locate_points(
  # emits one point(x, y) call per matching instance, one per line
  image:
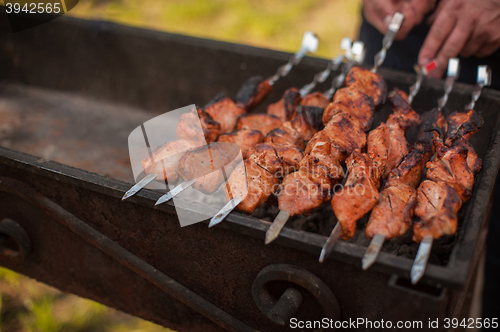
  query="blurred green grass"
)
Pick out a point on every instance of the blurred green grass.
point(30, 306)
point(26, 305)
point(276, 24)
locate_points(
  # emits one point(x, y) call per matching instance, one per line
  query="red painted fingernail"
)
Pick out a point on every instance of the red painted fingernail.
point(429, 66)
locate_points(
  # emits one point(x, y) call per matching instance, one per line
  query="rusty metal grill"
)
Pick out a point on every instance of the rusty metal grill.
point(70, 93)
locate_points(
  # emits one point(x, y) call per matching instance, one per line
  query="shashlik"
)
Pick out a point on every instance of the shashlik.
point(391, 216)
point(387, 146)
point(450, 177)
point(311, 185)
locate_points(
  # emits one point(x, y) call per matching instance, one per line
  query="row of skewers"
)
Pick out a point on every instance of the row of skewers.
point(297, 151)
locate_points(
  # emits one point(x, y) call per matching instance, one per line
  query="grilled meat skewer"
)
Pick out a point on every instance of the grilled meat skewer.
point(278, 156)
point(345, 132)
point(450, 176)
point(250, 94)
point(387, 146)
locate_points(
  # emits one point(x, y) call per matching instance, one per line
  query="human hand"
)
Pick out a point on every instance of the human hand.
point(379, 13)
point(461, 27)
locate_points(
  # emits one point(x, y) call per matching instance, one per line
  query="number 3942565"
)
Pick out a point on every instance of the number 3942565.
point(33, 8)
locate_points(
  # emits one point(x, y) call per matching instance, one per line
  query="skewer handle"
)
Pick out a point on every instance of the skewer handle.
point(394, 26)
point(330, 242)
point(277, 225)
point(332, 66)
point(139, 186)
point(174, 192)
point(451, 77)
point(309, 45)
point(422, 72)
point(420, 263)
point(358, 55)
point(483, 79)
point(373, 251)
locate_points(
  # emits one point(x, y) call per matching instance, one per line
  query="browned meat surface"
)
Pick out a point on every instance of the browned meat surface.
point(265, 156)
point(224, 111)
point(278, 160)
point(345, 134)
point(261, 122)
point(290, 157)
point(206, 159)
point(359, 195)
point(304, 190)
point(164, 160)
point(463, 124)
point(245, 139)
point(473, 161)
point(315, 99)
point(410, 170)
point(391, 216)
point(252, 92)
point(261, 184)
point(450, 166)
point(211, 128)
point(198, 126)
point(369, 83)
point(285, 107)
point(402, 108)
point(307, 122)
point(353, 102)
point(437, 207)
point(319, 152)
point(209, 183)
point(451, 178)
point(387, 146)
point(285, 135)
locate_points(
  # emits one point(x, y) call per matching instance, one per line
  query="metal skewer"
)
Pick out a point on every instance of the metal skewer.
point(452, 75)
point(357, 56)
point(139, 185)
point(351, 51)
point(483, 79)
point(309, 45)
point(333, 65)
point(174, 192)
point(424, 249)
point(394, 27)
point(378, 240)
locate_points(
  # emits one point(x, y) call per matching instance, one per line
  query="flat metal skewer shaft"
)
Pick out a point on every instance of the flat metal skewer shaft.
point(225, 211)
point(373, 251)
point(420, 263)
point(394, 26)
point(176, 191)
point(483, 79)
point(309, 45)
point(139, 186)
point(277, 225)
point(330, 242)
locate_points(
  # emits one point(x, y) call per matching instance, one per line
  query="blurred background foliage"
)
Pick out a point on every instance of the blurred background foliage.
point(26, 305)
point(274, 24)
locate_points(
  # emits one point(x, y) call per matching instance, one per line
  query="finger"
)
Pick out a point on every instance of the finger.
point(452, 47)
point(439, 8)
point(379, 13)
point(487, 49)
point(473, 45)
point(414, 11)
point(436, 37)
